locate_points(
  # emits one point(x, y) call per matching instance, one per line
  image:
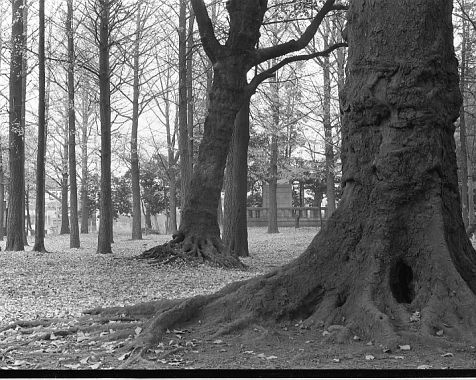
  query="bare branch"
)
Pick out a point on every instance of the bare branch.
point(205, 27)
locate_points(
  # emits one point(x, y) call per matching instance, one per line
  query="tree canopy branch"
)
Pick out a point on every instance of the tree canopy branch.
point(293, 45)
point(259, 78)
point(205, 27)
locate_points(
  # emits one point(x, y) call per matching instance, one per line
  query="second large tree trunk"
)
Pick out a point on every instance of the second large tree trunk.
point(235, 231)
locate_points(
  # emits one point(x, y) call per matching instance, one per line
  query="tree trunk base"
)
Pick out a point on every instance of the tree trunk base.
point(417, 295)
point(192, 250)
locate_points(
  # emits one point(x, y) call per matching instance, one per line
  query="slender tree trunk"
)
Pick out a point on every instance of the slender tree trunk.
point(329, 148)
point(463, 159)
point(16, 135)
point(136, 211)
point(105, 236)
point(2, 194)
point(39, 244)
point(23, 116)
point(235, 231)
point(27, 212)
point(273, 164)
point(190, 99)
point(2, 173)
point(64, 229)
point(85, 211)
point(73, 187)
point(183, 126)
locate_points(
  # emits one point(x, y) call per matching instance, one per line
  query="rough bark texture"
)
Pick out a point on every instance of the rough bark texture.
point(235, 229)
point(463, 160)
point(105, 202)
point(15, 222)
point(136, 211)
point(396, 244)
point(73, 187)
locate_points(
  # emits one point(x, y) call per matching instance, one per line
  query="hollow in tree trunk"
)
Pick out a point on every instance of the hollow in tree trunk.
point(396, 244)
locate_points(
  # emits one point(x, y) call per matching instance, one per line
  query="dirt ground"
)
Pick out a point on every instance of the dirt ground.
point(74, 343)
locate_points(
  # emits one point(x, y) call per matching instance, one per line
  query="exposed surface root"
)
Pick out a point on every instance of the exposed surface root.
point(192, 250)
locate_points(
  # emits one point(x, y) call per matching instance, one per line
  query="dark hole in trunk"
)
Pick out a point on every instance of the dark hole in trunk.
point(401, 282)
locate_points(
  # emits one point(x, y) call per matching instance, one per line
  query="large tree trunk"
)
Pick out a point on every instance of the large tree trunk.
point(396, 244)
point(136, 211)
point(235, 231)
point(105, 203)
point(73, 187)
point(16, 156)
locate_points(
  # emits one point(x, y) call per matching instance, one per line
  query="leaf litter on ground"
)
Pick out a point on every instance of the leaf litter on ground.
point(64, 282)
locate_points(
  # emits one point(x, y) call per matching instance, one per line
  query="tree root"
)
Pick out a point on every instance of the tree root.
point(192, 250)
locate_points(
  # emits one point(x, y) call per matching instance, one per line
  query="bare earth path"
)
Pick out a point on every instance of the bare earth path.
point(42, 327)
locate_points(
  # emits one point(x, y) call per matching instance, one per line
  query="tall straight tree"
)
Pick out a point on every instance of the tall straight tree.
point(397, 243)
point(73, 187)
point(16, 211)
point(39, 244)
point(86, 110)
point(135, 174)
point(105, 236)
point(184, 141)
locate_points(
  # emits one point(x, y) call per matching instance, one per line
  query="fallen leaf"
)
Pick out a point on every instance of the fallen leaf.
point(440, 333)
point(356, 338)
point(405, 347)
point(369, 343)
point(138, 330)
point(84, 360)
point(124, 356)
point(19, 362)
point(72, 366)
